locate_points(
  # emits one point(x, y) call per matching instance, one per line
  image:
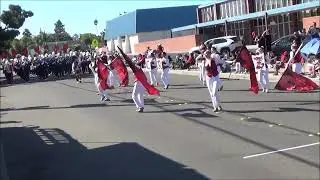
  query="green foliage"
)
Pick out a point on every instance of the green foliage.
point(87, 38)
point(12, 19)
point(17, 45)
point(95, 43)
point(27, 33)
point(59, 32)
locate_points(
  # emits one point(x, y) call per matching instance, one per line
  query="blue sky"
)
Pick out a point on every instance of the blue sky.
point(78, 16)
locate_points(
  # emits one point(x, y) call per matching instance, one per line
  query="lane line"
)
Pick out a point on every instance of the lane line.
point(281, 150)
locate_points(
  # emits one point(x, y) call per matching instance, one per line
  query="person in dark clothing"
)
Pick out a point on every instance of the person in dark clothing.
point(265, 41)
point(8, 71)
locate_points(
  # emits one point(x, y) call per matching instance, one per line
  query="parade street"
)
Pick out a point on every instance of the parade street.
point(61, 130)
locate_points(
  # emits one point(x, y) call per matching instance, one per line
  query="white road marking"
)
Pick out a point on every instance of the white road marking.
point(281, 150)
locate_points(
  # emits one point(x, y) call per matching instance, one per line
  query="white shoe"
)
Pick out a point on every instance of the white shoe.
point(266, 90)
point(102, 98)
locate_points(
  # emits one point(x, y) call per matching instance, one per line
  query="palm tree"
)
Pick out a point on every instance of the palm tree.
point(95, 22)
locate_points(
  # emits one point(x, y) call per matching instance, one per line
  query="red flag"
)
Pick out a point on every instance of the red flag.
point(139, 74)
point(36, 49)
point(245, 60)
point(121, 70)
point(103, 75)
point(14, 53)
point(25, 52)
point(56, 48)
point(65, 47)
point(293, 81)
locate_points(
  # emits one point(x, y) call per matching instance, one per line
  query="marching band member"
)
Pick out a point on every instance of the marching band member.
point(165, 66)
point(76, 69)
point(262, 68)
point(219, 62)
point(200, 61)
point(212, 79)
point(151, 65)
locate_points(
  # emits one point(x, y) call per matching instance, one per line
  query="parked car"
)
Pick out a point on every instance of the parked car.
point(284, 44)
point(224, 45)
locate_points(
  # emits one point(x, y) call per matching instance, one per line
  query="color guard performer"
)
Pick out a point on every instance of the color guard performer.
point(200, 62)
point(262, 68)
point(151, 65)
point(164, 66)
point(297, 61)
point(212, 79)
point(219, 62)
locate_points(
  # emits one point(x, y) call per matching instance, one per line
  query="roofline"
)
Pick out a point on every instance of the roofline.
point(271, 12)
point(213, 3)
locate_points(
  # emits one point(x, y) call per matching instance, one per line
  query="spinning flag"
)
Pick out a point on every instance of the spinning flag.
point(139, 74)
point(245, 60)
point(121, 70)
point(103, 75)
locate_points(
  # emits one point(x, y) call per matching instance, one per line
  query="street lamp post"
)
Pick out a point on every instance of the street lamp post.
point(96, 24)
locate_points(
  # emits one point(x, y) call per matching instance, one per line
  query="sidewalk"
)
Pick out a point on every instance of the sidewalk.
point(272, 78)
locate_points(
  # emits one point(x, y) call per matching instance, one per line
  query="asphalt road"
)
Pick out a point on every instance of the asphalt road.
point(60, 130)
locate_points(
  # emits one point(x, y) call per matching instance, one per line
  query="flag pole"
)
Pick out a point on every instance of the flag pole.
point(298, 50)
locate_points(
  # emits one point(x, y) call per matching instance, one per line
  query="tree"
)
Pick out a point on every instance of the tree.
point(75, 37)
point(27, 39)
point(59, 32)
point(87, 38)
point(59, 27)
point(12, 19)
point(17, 45)
point(27, 33)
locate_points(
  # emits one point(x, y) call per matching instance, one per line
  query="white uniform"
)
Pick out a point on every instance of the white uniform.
point(200, 61)
point(212, 85)
point(103, 93)
point(296, 67)
point(263, 72)
point(165, 66)
point(151, 66)
point(219, 62)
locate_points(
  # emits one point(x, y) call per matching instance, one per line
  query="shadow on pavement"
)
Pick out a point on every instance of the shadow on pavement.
point(52, 154)
point(187, 112)
point(102, 104)
point(9, 122)
point(33, 79)
point(280, 109)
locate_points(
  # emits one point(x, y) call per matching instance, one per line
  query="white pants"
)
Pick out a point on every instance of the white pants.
point(212, 84)
point(238, 67)
point(164, 77)
point(137, 94)
point(220, 82)
point(102, 93)
point(202, 75)
point(152, 75)
point(111, 78)
point(263, 77)
point(297, 67)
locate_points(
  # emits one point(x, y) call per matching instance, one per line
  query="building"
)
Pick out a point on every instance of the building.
point(242, 17)
point(147, 25)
